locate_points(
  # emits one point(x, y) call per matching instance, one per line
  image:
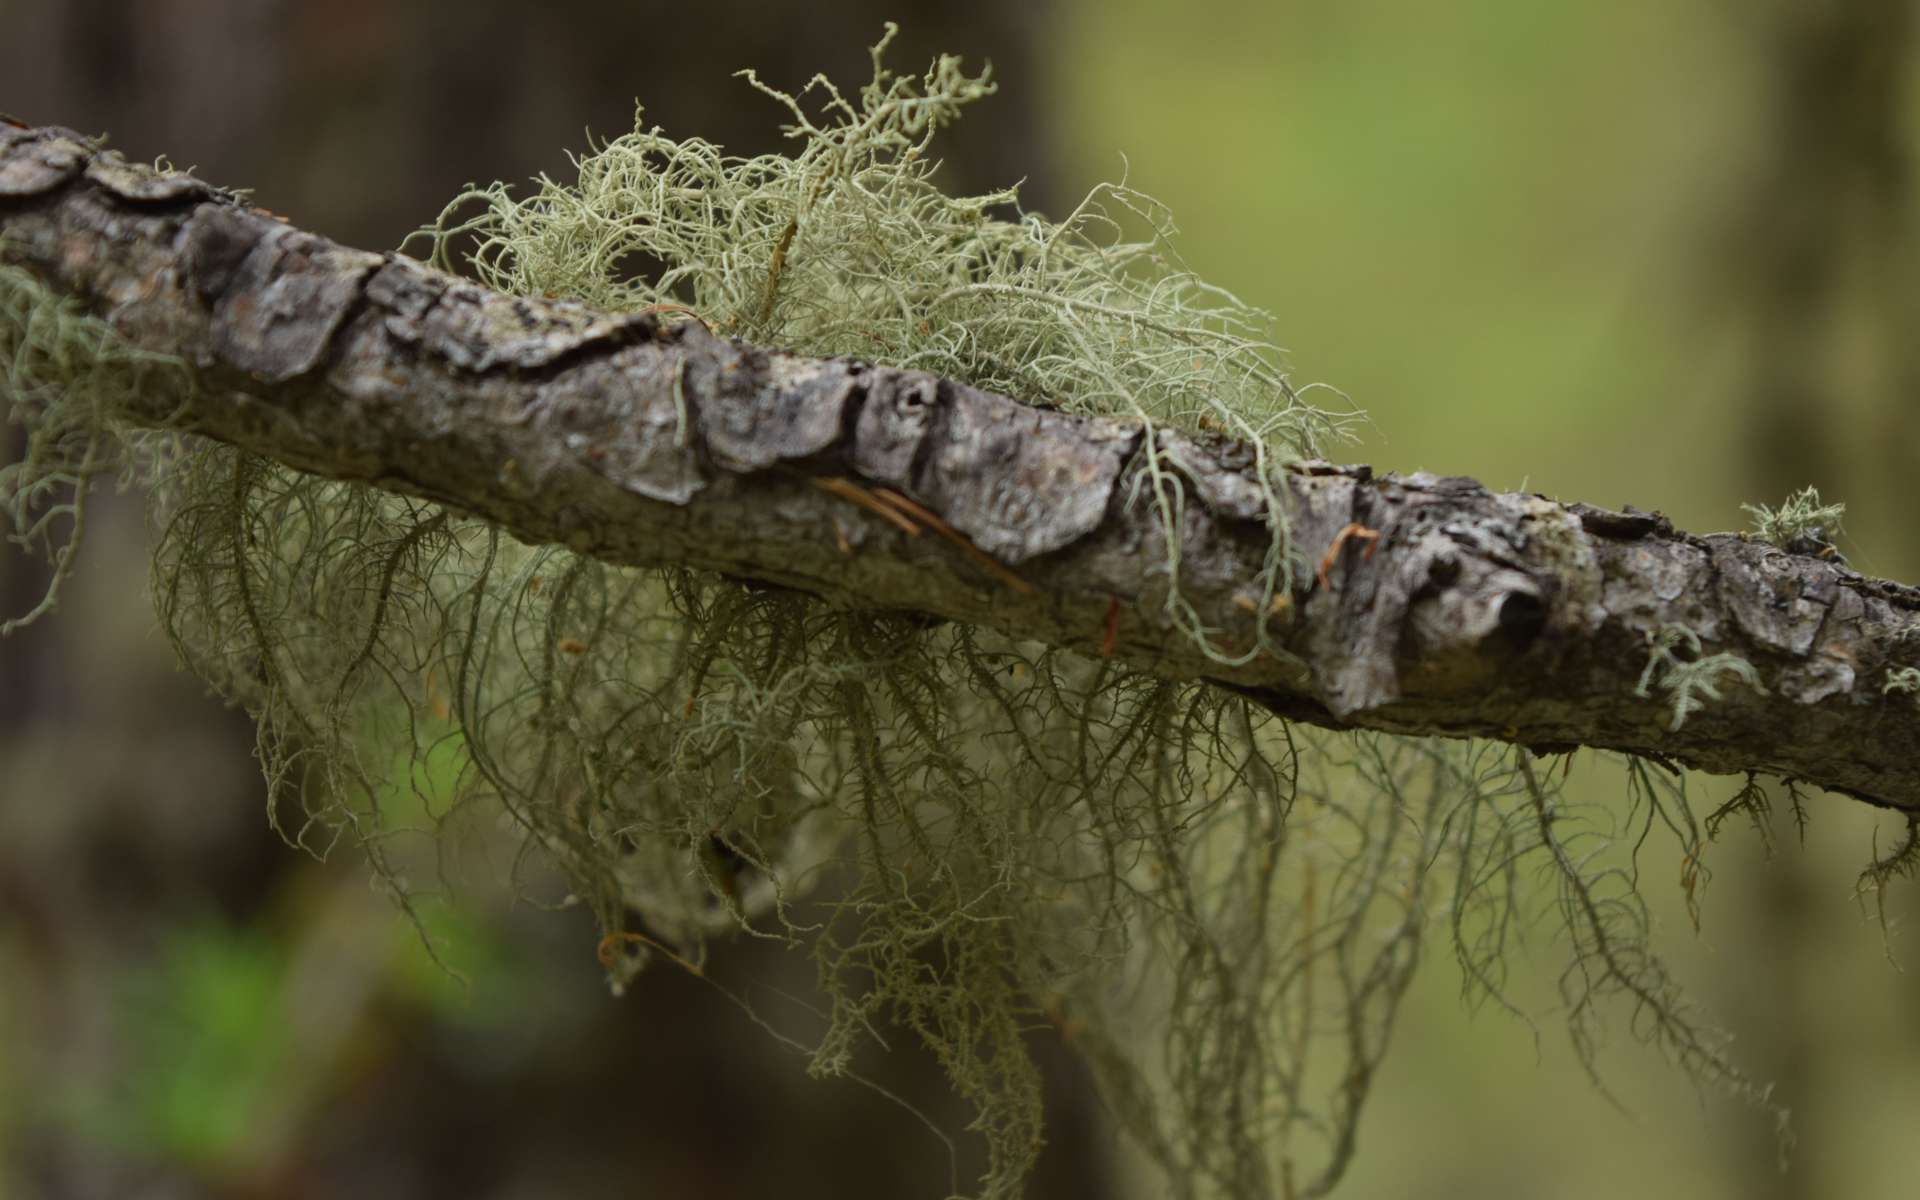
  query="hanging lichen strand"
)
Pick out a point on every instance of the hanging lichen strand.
point(975, 838)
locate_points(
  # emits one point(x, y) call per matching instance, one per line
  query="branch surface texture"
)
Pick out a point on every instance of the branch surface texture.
point(1418, 605)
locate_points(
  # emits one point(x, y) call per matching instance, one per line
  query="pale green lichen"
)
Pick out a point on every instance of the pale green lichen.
point(1902, 679)
point(65, 377)
point(1802, 523)
point(974, 837)
point(1677, 666)
point(848, 247)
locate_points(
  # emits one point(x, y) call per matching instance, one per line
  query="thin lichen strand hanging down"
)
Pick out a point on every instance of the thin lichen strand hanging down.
point(65, 378)
point(974, 837)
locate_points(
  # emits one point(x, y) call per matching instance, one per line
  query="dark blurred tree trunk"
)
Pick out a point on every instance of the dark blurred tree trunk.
point(1820, 242)
point(304, 97)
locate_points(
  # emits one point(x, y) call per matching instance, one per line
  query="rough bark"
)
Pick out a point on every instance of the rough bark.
point(1420, 605)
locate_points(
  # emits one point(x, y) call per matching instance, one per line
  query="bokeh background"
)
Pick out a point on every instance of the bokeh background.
point(1662, 252)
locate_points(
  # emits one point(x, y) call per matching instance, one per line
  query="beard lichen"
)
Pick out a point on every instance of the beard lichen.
point(65, 380)
point(847, 246)
point(977, 839)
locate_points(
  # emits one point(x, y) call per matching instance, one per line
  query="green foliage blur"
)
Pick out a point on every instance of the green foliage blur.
point(210, 1046)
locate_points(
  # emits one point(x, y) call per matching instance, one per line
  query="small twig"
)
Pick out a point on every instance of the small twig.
point(679, 308)
point(1112, 636)
point(1349, 531)
point(907, 506)
point(853, 493)
point(604, 951)
point(910, 516)
point(933, 521)
point(779, 261)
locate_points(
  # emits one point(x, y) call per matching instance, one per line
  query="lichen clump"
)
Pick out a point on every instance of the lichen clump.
point(847, 246)
point(978, 840)
point(1678, 666)
point(1802, 524)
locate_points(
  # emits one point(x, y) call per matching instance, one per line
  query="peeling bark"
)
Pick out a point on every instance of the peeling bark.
point(1420, 604)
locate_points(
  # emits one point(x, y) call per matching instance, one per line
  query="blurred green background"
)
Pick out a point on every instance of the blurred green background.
point(1660, 252)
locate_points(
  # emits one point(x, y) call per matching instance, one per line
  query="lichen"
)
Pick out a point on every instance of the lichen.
point(975, 838)
point(1802, 524)
point(65, 377)
point(848, 247)
point(1903, 861)
point(1677, 666)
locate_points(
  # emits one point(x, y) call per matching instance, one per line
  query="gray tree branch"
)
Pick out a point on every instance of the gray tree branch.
point(1419, 605)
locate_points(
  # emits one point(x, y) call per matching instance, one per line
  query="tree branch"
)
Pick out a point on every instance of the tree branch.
point(1419, 605)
